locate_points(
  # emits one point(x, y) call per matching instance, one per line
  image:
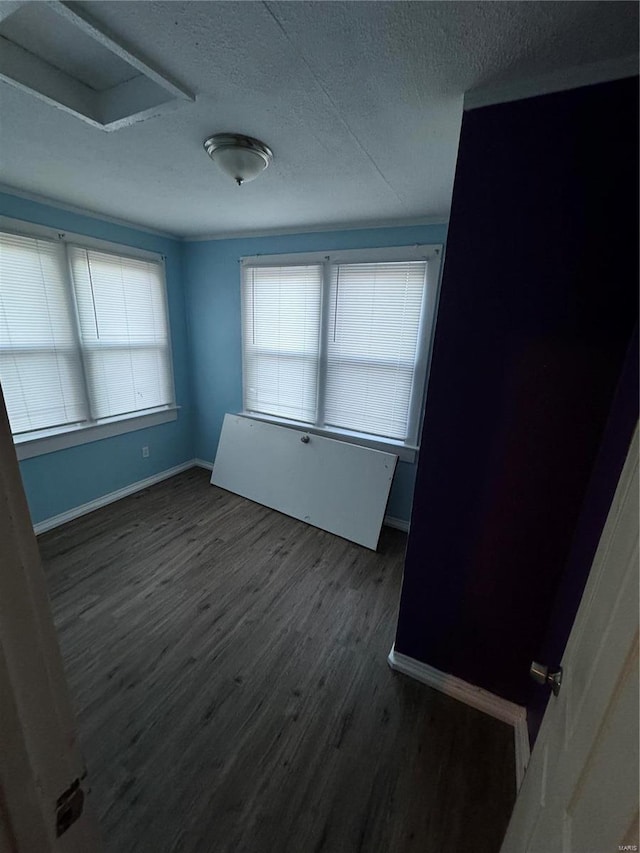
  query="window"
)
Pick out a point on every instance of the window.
point(84, 336)
point(341, 342)
point(123, 332)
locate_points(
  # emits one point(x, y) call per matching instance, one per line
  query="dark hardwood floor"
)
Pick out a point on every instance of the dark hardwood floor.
point(228, 668)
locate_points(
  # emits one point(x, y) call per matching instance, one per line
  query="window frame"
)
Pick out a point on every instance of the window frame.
point(432, 253)
point(43, 441)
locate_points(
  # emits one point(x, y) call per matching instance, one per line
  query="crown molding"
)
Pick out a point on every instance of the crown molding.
point(554, 81)
point(293, 230)
point(218, 235)
point(83, 211)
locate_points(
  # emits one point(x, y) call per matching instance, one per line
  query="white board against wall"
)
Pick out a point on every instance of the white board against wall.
point(334, 485)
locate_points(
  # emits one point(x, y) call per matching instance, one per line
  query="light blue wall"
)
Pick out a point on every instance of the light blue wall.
point(203, 288)
point(213, 308)
point(59, 481)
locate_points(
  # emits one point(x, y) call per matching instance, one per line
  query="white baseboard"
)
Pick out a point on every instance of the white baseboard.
point(398, 523)
point(471, 695)
point(103, 500)
point(201, 463)
point(475, 697)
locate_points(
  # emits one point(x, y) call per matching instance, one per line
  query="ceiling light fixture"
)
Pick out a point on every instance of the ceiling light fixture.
point(241, 157)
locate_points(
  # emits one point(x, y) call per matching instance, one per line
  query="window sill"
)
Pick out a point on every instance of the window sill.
point(48, 441)
point(404, 452)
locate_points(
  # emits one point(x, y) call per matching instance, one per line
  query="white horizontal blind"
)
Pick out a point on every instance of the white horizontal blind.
point(373, 327)
point(40, 366)
point(123, 330)
point(281, 340)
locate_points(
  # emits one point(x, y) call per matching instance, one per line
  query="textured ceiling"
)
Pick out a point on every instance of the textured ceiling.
point(41, 30)
point(361, 103)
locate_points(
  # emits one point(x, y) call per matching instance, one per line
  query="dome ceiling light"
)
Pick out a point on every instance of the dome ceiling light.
point(241, 157)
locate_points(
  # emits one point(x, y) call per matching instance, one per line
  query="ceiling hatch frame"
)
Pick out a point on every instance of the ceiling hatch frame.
point(151, 92)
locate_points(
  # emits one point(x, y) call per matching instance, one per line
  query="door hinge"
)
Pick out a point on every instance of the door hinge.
point(69, 807)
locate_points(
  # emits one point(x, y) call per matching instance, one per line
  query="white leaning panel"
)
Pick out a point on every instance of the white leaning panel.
point(334, 485)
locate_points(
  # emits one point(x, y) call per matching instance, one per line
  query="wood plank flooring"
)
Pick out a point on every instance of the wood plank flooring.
point(228, 668)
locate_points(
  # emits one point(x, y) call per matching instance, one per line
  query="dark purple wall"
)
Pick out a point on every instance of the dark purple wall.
point(537, 307)
point(618, 433)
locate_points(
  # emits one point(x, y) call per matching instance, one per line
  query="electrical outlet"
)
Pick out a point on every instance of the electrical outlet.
point(145, 452)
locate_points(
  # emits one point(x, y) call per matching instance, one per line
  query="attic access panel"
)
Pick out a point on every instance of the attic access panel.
point(55, 52)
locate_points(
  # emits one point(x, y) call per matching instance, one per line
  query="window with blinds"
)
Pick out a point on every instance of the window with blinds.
point(339, 345)
point(374, 320)
point(83, 335)
point(123, 332)
point(40, 363)
point(281, 335)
